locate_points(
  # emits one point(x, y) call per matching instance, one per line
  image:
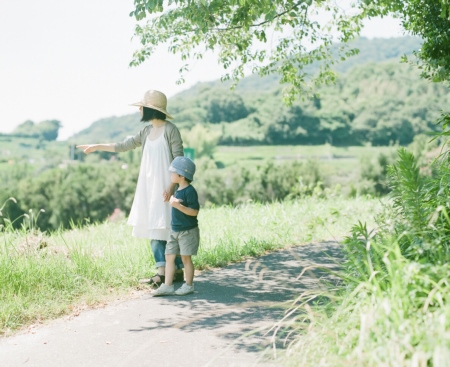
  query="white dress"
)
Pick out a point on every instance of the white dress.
point(150, 216)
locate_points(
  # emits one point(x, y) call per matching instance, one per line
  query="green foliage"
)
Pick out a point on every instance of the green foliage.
point(49, 129)
point(10, 213)
point(73, 195)
point(202, 140)
point(408, 191)
point(225, 107)
point(90, 190)
point(236, 30)
point(240, 32)
point(394, 309)
point(371, 102)
point(417, 218)
point(264, 182)
point(26, 128)
point(430, 20)
point(374, 174)
point(44, 276)
point(394, 315)
point(45, 130)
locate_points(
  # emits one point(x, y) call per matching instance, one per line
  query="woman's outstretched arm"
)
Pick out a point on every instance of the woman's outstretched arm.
point(89, 148)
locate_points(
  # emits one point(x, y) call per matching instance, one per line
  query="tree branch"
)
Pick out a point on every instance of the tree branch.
point(262, 23)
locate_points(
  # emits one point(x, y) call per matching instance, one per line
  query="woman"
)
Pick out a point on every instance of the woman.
point(150, 213)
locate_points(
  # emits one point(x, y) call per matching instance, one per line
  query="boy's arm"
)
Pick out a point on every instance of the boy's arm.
point(176, 203)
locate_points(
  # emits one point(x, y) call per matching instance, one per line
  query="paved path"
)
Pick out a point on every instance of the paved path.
point(206, 328)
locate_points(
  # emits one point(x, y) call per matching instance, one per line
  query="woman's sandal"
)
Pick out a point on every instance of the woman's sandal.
point(154, 282)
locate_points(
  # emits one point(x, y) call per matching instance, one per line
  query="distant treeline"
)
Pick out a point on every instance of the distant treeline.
point(45, 130)
point(379, 104)
point(376, 100)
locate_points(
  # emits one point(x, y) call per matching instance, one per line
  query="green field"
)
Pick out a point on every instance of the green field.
point(337, 155)
point(340, 164)
point(337, 165)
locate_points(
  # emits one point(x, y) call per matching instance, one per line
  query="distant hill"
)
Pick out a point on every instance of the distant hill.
point(114, 128)
point(371, 50)
point(375, 100)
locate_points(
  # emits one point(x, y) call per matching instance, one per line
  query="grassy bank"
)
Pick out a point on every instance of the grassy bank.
point(46, 276)
point(399, 317)
point(395, 308)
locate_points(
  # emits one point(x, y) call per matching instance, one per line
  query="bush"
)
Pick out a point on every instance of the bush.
point(74, 195)
point(267, 182)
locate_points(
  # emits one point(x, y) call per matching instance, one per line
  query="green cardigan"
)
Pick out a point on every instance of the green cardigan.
point(171, 134)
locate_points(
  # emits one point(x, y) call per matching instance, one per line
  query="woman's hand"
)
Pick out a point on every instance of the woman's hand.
point(168, 193)
point(166, 196)
point(88, 148)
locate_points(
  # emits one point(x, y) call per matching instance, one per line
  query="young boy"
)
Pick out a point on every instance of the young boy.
point(184, 235)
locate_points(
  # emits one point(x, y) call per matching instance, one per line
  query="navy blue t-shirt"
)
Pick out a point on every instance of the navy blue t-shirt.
point(181, 221)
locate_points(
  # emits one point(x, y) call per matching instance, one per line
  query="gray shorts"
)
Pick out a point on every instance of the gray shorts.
point(183, 242)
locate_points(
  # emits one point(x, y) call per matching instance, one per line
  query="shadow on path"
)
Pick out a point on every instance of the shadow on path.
point(240, 299)
point(224, 323)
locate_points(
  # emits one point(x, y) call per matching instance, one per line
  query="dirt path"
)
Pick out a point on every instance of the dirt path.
point(202, 329)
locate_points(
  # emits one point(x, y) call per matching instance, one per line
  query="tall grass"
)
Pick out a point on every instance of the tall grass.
point(397, 317)
point(43, 276)
point(394, 310)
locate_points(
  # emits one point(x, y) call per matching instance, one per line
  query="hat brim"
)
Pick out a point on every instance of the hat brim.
point(181, 173)
point(142, 104)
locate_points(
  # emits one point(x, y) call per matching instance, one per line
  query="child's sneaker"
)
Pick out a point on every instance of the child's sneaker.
point(164, 290)
point(185, 289)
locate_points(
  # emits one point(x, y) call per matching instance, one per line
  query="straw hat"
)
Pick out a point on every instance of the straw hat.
point(156, 100)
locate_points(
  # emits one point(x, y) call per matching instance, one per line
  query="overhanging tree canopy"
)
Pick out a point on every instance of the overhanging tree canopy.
point(285, 36)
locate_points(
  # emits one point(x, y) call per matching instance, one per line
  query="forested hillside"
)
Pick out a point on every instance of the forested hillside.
point(376, 100)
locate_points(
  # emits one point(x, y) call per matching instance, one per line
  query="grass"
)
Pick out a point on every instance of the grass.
point(46, 276)
point(398, 317)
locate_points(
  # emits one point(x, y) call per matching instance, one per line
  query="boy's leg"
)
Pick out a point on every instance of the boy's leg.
point(172, 250)
point(188, 268)
point(170, 268)
point(167, 288)
point(189, 243)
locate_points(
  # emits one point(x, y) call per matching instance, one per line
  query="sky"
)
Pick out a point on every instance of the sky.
point(69, 61)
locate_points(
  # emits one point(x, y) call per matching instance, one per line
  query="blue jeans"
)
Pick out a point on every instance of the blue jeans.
point(159, 249)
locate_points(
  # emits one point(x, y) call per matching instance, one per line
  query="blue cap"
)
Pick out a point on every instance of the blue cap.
point(184, 166)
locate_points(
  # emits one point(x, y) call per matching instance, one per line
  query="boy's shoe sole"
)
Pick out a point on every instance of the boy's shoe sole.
point(184, 290)
point(163, 291)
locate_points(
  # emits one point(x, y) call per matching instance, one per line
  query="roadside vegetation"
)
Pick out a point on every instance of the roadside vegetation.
point(394, 307)
point(47, 275)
